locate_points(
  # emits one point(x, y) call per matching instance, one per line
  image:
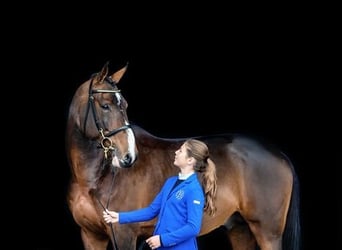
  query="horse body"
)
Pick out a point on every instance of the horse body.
point(242, 166)
point(256, 185)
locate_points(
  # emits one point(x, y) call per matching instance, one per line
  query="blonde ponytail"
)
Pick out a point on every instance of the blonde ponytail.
point(208, 180)
point(206, 172)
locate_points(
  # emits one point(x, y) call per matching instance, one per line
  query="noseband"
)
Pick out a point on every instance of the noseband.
point(106, 143)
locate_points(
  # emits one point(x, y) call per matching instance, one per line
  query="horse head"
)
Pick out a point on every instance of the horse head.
point(98, 110)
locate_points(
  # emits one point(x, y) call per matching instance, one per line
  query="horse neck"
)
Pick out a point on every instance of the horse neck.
point(86, 159)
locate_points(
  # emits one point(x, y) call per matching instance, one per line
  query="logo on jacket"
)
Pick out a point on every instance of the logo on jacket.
point(180, 194)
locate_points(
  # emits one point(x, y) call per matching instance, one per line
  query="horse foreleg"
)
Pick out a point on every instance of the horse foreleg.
point(93, 242)
point(88, 218)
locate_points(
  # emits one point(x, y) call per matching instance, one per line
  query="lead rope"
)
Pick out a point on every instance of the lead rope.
point(115, 246)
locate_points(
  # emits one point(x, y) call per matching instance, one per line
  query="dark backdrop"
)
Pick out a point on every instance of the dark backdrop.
point(264, 78)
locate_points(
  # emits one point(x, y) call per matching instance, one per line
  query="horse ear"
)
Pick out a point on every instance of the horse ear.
point(103, 73)
point(118, 74)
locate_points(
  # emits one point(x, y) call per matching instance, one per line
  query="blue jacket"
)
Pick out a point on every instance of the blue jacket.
point(179, 213)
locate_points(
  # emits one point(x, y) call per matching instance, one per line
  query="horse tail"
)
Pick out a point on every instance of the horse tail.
point(292, 233)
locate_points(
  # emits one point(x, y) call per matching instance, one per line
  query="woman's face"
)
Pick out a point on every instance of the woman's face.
point(181, 156)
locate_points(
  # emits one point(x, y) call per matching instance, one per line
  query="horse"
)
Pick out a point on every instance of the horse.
point(121, 166)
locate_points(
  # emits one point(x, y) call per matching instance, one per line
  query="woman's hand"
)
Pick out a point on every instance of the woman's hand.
point(154, 241)
point(110, 216)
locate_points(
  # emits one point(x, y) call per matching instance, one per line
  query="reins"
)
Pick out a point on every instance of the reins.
point(115, 246)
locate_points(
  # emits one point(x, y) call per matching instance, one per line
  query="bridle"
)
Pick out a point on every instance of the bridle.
point(106, 143)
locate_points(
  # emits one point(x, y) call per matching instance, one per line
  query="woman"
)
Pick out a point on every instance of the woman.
point(181, 202)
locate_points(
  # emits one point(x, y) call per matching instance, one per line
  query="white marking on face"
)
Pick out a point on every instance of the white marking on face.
point(118, 97)
point(131, 143)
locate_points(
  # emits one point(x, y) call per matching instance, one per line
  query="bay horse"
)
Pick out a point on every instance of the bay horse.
point(120, 166)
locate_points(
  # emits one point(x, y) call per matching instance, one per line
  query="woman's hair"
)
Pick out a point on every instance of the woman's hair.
point(206, 170)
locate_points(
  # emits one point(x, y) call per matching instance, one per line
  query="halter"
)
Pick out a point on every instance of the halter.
point(105, 137)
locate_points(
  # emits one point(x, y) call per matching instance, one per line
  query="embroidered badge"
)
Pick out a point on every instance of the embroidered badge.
point(180, 194)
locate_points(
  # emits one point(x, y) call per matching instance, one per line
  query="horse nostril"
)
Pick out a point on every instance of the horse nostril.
point(126, 161)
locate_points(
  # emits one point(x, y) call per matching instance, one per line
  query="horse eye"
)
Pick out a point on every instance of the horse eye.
point(105, 106)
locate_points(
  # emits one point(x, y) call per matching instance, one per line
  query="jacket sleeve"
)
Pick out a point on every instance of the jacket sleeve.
point(142, 214)
point(147, 213)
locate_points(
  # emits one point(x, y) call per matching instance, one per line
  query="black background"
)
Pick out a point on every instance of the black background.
point(188, 75)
